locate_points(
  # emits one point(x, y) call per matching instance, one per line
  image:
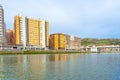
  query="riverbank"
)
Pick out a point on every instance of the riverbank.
point(39, 52)
point(47, 52)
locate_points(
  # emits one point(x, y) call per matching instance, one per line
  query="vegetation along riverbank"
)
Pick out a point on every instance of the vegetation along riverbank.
point(43, 52)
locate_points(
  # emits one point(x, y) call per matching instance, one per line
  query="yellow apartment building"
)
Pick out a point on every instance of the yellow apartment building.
point(64, 41)
point(17, 30)
point(47, 33)
point(31, 32)
point(57, 41)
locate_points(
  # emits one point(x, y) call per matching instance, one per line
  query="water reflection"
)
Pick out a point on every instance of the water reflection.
point(32, 67)
point(60, 67)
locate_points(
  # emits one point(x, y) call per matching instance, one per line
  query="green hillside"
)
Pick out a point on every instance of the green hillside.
point(99, 42)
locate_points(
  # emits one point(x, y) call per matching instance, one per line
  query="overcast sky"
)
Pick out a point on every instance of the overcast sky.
point(83, 18)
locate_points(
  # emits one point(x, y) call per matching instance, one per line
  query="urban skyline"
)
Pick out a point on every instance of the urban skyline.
point(95, 19)
point(80, 40)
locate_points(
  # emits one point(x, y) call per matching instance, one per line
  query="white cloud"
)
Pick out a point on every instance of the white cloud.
point(66, 15)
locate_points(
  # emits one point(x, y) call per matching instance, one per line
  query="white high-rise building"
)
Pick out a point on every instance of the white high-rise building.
point(23, 31)
point(42, 33)
point(2, 27)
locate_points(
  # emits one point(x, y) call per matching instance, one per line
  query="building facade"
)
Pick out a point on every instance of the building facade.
point(2, 27)
point(72, 42)
point(9, 37)
point(33, 36)
point(47, 33)
point(57, 41)
point(64, 41)
point(31, 32)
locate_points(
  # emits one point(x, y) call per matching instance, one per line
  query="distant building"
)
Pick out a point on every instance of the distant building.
point(57, 41)
point(31, 32)
point(2, 27)
point(9, 37)
point(63, 41)
point(72, 42)
point(94, 49)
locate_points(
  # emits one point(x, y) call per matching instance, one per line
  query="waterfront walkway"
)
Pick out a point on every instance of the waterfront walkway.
point(108, 48)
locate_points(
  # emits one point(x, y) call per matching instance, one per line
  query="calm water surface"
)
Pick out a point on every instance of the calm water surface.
point(60, 67)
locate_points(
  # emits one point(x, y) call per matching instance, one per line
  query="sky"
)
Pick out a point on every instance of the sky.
point(82, 18)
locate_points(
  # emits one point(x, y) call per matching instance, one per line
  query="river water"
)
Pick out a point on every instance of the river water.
point(60, 67)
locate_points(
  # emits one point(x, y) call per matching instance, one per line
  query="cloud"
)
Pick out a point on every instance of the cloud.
point(79, 17)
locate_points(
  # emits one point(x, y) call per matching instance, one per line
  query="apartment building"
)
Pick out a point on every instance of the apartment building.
point(57, 41)
point(2, 27)
point(31, 32)
point(64, 41)
point(72, 42)
point(9, 37)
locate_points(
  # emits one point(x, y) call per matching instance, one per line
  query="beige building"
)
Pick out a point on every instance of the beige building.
point(73, 42)
point(31, 32)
